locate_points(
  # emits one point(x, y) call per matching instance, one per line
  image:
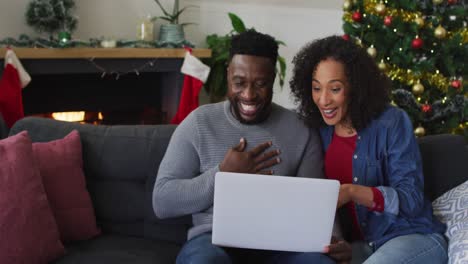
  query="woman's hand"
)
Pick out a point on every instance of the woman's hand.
point(339, 250)
point(355, 193)
point(345, 194)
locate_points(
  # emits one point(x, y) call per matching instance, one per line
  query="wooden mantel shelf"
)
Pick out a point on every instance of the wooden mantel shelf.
point(103, 53)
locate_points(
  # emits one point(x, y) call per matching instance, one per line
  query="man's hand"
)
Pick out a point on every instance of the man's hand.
point(339, 250)
point(257, 160)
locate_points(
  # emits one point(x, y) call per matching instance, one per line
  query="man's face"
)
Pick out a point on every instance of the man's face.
point(250, 87)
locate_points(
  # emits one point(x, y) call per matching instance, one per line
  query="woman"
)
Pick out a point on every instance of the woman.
point(370, 148)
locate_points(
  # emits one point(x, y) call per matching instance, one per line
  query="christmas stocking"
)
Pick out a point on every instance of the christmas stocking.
point(196, 74)
point(14, 78)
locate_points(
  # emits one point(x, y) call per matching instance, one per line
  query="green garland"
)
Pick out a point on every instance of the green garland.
point(24, 41)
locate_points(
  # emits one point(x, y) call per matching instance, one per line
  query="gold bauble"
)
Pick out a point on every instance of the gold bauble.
point(372, 51)
point(440, 32)
point(382, 65)
point(437, 2)
point(380, 8)
point(420, 131)
point(419, 21)
point(358, 42)
point(347, 4)
point(418, 89)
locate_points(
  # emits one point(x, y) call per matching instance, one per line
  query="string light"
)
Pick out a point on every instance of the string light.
point(136, 71)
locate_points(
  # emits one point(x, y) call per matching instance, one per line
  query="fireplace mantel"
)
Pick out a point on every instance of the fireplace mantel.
point(98, 67)
point(104, 53)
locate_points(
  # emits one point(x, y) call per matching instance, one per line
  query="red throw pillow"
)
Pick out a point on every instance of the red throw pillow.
point(61, 166)
point(28, 231)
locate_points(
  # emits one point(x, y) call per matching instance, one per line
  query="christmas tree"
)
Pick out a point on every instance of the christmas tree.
point(51, 16)
point(422, 47)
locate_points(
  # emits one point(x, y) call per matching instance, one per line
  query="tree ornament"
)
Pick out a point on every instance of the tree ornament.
point(440, 32)
point(387, 21)
point(380, 8)
point(358, 42)
point(372, 51)
point(419, 21)
point(437, 2)
point(420, 131)
point(345, 37)
point(382, 65)
point(347, 4)
point(357, 16)
point(451, 2)
point(417, 43)
point(64, 37)
point(418, 89)
point(456, 84)
point(426, 108)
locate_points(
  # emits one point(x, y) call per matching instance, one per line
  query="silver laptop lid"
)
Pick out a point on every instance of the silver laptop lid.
point(273, 212)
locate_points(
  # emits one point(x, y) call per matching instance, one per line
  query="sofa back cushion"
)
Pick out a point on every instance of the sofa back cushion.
point(120, 165)
point(445, 163)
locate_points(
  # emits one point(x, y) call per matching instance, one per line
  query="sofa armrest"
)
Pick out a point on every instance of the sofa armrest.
point(445, 163)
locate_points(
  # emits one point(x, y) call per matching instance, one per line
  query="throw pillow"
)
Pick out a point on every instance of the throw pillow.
point(28, 230)
point(452, 209)
point(61, 166)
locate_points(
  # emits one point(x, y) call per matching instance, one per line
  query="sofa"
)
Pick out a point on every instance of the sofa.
point(120, 165)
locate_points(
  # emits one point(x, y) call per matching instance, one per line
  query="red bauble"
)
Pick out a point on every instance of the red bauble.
point(345, 37)
point(357, 16)
point(451, 2)
point(387, 21)
point(426, 108)
point(456, 84)
point(417, 43)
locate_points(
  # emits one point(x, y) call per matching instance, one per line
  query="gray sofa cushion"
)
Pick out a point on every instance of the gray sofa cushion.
point(119, 249)
point(120, 164)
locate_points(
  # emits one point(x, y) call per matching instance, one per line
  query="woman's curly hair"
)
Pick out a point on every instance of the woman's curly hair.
point(369, 87)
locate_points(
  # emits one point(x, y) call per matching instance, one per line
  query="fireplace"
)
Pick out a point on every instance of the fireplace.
point(132, 99)
point(111, 86)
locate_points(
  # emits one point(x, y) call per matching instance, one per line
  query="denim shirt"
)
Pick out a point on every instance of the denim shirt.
point(387, 157)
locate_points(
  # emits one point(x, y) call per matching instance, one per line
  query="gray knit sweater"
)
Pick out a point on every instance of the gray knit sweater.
point(185, 180)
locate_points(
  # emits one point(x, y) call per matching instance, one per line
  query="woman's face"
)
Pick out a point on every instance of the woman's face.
point(330, 91)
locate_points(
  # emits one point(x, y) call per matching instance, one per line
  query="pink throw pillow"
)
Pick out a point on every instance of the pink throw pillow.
point(61, 166)
point(28, 230)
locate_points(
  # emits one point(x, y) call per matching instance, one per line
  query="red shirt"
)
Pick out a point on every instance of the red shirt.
point(339, 166)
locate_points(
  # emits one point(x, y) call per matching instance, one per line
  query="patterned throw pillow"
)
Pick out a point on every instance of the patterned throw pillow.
point(452, 209)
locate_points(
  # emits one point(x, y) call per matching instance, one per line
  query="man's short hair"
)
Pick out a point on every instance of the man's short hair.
point(254, 43)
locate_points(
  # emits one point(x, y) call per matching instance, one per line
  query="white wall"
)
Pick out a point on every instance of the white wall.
point(293, 21)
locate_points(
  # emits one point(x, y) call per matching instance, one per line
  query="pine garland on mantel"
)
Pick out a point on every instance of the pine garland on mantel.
point(25, 41)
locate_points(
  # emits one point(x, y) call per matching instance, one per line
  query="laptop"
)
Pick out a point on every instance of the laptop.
point(273, 212)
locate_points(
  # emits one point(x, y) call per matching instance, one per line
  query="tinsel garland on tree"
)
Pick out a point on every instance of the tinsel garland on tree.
point(423, 47)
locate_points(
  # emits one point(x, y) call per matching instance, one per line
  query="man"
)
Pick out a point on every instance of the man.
point(246, 134)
